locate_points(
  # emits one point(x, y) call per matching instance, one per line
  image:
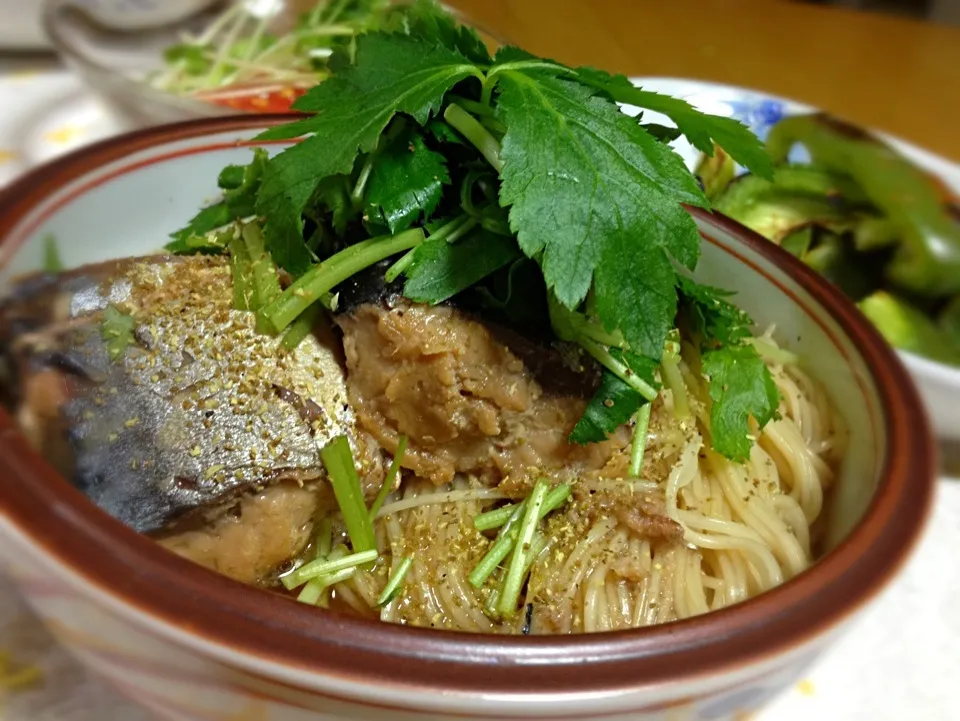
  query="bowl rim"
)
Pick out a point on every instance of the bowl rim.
point(248, 624)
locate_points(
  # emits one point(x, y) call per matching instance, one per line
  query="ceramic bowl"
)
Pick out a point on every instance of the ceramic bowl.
point(939, 383)
point(115, 45)
point(190, 644)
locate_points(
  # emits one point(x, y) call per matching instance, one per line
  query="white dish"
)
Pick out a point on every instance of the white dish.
point(46, 113)
point(939, 384)
point(20, 25)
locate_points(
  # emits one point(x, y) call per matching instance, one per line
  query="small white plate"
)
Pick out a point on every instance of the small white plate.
point(21, 29)
point(46, 113)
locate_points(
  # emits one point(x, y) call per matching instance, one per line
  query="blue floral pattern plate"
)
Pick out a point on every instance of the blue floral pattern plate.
point(901, 662)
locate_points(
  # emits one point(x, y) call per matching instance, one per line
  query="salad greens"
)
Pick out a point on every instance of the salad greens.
point(470, 171)
point(240, 47)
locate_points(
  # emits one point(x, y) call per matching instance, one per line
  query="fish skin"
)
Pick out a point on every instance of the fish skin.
point(198, 410)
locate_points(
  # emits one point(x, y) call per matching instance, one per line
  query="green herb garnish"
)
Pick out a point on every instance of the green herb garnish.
point(395, 583)
point(338, 460)
point(468, 171)
point(116, 329)
point(52, 263)
point(510, 591)
point(639, 443)
point(741, 385)
point(314, 590)
point(390, 479)
point(507, 538)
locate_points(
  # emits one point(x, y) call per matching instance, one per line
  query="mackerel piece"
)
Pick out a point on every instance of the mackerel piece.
point(192, 409)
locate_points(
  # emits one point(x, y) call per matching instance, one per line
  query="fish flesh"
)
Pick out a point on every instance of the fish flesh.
point(473, 397)
point(196, 410)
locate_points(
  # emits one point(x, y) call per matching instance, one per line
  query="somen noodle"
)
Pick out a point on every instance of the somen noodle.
point(746, 527)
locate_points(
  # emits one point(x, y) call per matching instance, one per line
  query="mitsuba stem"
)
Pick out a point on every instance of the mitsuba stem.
point(639, 444)
point(320, 279)
point(473, 130)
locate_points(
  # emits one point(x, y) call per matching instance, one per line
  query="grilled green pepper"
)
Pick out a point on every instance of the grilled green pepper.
point(908, 328)
point(776, 212)
point(927, 260)
point(715, 172)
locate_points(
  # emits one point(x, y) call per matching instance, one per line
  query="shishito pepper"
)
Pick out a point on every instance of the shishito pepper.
point(927, 260)
point(909, 328)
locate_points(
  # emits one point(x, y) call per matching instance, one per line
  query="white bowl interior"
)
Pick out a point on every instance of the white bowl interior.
point(129, 207)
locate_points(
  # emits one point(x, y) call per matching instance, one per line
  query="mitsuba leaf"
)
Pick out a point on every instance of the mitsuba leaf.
point(440, 269)
point(407, 181)
point(240, 184)
point(740, 386)
point(663, 133)
point(635, 291)
point(427, 19)
point(601, 191)
point(717, 320)
point(443, 133)
point(393, 74)
point(701, 129)
point(612, 405)
point(333, 196)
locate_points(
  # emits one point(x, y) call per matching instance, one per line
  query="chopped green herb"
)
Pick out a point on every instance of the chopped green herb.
point(324, 538)
point(740, 386)
point(639, 444)
point(300, 328)
point(439, 269)
point(406, 181)
point(244, 293)
point(390, 479)
point(392, 74)
point(325, 567)
point(338, 460)
point(322, 278)
point(394, 585)
point(715, 318)
point(496, 518)
point(52, 263)
point(117, 331)
point(500, 549)
point(508, 535)
point(510, 594)
point(612, 405)
point(509, 163)
point(314, 589)
point(239, 203)
point(263, 272)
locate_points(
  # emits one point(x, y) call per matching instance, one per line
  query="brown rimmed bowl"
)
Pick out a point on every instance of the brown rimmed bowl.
point(190, 644)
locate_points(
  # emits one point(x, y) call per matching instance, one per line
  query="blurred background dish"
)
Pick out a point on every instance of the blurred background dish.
point(939, 382)
point(20, 28)
point(47, 112)
point(203, 58)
